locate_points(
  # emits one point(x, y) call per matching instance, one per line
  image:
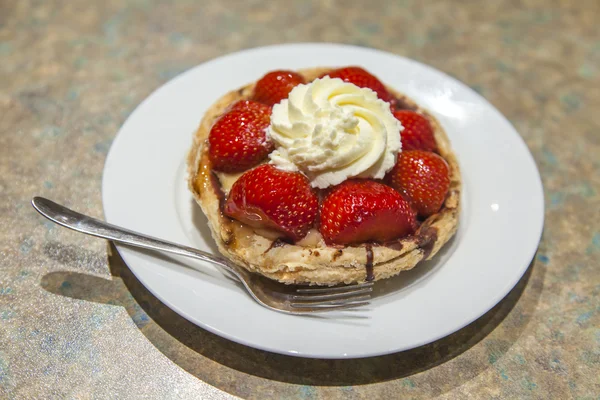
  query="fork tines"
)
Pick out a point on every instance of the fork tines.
point(332, 298)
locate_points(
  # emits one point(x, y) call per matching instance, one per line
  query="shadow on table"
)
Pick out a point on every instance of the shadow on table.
point(146, 311)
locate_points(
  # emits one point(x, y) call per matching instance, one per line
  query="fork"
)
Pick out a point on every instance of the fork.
point(290, 299)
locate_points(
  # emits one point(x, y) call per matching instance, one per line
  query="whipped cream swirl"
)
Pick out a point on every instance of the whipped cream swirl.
point(332, 130)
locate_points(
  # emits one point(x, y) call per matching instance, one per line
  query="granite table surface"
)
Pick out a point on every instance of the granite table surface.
point(75, 322)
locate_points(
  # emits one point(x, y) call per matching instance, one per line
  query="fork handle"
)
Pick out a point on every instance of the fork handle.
point(94, 227)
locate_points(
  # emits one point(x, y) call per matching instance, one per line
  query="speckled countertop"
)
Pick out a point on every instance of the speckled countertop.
point(75, 323)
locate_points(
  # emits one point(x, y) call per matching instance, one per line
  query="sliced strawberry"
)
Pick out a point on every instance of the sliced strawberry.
point(362, 78)
point(238, 140)
point(424, 177)
point(358, 211)
point(417, 133)
point(276, 86)
point(266, 197)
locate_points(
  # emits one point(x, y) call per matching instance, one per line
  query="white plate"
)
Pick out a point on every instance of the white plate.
point(501, 222)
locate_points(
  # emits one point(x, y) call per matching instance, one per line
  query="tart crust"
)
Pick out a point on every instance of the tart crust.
point(311, 261)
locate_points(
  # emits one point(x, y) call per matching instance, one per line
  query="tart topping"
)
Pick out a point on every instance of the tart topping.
point(238, 140)
point(326, 134)
point(424, 177)
point(332, 130)
point(363, 79)
point(276, 86)
point(266, 197)
point(417, 133)
point(359, 211)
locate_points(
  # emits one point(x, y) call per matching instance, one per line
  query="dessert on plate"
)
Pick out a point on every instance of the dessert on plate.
point(324, 176)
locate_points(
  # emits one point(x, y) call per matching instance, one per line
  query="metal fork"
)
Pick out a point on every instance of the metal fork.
point(274, 295)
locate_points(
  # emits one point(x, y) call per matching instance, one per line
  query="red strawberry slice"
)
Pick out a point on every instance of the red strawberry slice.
point(358, 211)
point(238, 140)
point(424, 177)
point(266, 197)
point(276, 86)
point(364, 79)
point(417, 133)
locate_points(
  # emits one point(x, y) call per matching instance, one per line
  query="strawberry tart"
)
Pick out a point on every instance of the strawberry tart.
point(324, 176)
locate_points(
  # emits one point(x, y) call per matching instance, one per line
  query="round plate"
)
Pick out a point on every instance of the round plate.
point(144, 189)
